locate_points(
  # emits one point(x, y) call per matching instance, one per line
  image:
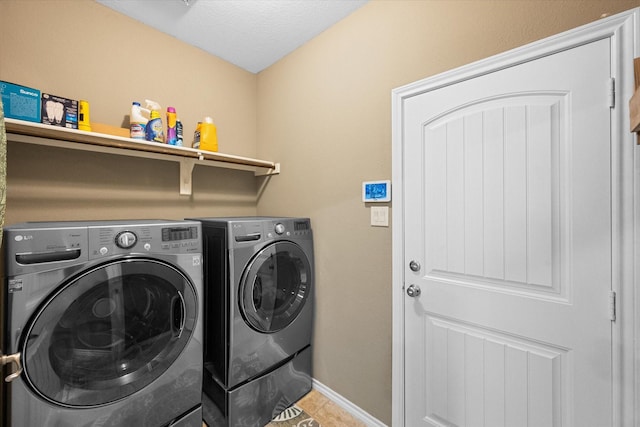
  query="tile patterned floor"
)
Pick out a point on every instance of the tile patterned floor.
point(325, 411)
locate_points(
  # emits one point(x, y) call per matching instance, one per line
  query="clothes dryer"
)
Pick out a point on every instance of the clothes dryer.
point(259, 284)
point(103, 324)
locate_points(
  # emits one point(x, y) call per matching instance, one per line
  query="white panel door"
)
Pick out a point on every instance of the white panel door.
point(507, 192)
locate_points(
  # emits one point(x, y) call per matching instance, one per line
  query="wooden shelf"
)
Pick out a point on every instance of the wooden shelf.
point(36, 133)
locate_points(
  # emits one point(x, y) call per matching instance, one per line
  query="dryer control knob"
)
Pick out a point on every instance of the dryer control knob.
point(126, 239)
point(279, 228)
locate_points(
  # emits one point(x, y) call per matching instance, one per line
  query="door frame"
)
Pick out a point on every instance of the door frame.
point(623, 30)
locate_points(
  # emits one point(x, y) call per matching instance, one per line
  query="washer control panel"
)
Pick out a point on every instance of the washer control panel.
point(33, 244)
point(143, 238)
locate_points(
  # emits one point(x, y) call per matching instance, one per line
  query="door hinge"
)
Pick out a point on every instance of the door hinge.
point(612, 306)
point(612, 93)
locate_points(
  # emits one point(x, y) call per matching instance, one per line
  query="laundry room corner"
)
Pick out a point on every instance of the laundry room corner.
point(323, 116)
point(325, 111)
point(48, 183)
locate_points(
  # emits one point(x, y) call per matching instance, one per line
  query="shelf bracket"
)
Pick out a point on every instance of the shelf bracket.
point(272, 171)
point(186, 170)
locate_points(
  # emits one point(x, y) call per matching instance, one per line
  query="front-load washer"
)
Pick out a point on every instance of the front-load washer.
point(103, 324)
point(258, 287)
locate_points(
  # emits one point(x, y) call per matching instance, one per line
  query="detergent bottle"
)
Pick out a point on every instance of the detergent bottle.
point(138, 121)
point(208, 135)
point(172, 137)
point(196, 136)
point(154, 125)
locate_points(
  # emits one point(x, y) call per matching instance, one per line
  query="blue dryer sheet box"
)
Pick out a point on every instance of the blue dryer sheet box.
point(20, 102)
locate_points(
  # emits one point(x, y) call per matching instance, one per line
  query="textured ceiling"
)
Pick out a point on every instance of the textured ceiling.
point(252, 34)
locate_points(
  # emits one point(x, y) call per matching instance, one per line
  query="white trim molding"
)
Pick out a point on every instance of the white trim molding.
point(347, 405)
point(623, 30)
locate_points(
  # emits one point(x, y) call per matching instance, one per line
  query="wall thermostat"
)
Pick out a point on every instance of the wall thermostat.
point(376, 191)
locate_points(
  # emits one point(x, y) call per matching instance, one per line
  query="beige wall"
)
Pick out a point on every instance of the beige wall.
point(324, 112)
point(83, 50)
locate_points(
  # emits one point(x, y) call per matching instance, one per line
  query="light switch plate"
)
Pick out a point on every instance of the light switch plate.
point(380, 216)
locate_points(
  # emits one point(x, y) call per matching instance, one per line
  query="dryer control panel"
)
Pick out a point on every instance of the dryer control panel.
point(254, 230)
point(288, 227)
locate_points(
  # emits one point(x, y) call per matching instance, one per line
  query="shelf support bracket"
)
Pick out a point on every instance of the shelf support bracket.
point(273, 171)
point(186, 170)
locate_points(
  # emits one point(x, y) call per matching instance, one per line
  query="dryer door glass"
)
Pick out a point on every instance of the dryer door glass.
point(275, 287)
point(109, 332)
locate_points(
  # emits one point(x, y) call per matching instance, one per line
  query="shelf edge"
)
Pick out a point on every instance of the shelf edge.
point(38, 130)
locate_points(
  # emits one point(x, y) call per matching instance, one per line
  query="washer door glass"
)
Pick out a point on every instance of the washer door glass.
point(109, 332)
point(275, 287)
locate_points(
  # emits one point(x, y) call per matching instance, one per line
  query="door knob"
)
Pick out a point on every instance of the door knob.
point(413, 291)
point(414, 265)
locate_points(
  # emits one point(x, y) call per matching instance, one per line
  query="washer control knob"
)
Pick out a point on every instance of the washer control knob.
point(279, 228)
point(126, 239)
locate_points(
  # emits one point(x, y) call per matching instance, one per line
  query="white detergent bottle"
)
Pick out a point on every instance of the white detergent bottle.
point(138, 121)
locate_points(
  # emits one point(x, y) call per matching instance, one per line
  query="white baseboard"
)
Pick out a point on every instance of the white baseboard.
point(348, 406)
